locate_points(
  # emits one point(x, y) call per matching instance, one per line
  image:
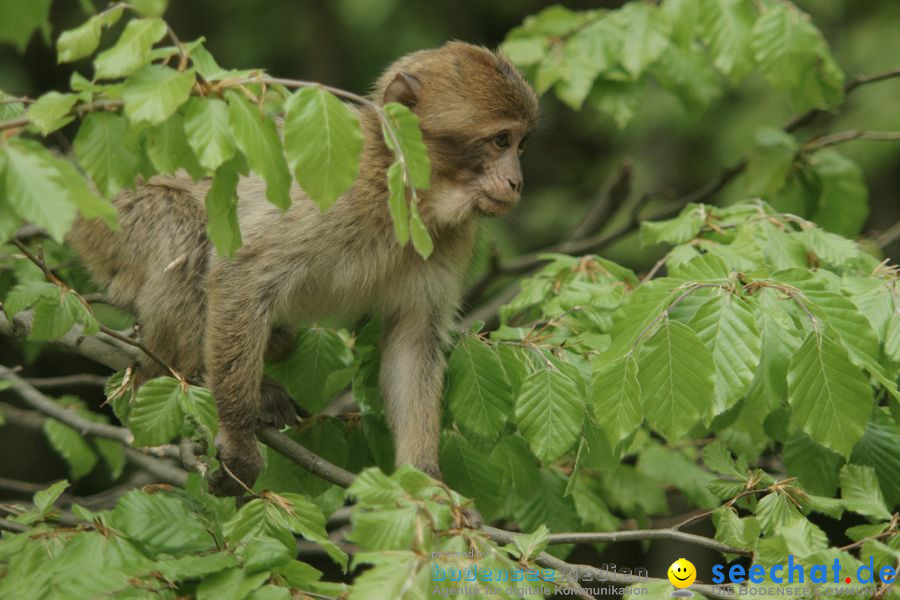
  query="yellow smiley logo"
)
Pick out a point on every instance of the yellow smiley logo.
point(682, 573)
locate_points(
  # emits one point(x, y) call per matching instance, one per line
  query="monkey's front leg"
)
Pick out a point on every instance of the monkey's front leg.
point(237, 329)
point(412, 381)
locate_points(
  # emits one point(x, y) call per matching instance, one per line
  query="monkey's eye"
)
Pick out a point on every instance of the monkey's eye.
point(522, 144)
point(501, 140)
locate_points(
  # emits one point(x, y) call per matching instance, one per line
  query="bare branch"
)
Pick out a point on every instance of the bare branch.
point(49, 383)
point(645, 534)
point(12, 526)
point(101, 347)
point(157, 467)
point(858, 81)
point(35, 399)
point(590, 573)
point(847, 136)
point(308, 460)
point(888, 236)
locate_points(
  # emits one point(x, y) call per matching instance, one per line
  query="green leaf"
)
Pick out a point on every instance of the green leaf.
point(770, 162)
point(257, 138)
point(323, 142)
point(843, 202)
point(28, 293)
point(549, 413)
point(84, 39)
point(222, 227)
point(531, 544)
point(619, 100)
point(108, 151)
point(113, 454)
point(878, 449)
point(479, 396)
point(155, 92)
point(71, 446)
point(168, 149)
point(892, 338)
point(679, 230)
point(82, 194)
point(132, 50)
point(46, 498)
point(689, 75)
point(814, 465)
point(830, 397)
point(396, 578)
point(735, 531)
point(51, 111)
point(421, 239)
point(725, 25)
point(21, 19)
point(793, 56)
point(388, 528)
point(861, 494)
point(470, 472)
point(149, 8)
point(830, 248)
point(156, 415)
point(33, 188)
point(676, 374)
point(718, 459)
point(639, 311)
point(305, 371)
point(54, 318)
point(160, 523)
point(524, 52)
point(725, 324)
point(397, 203)
point(405, 125)
point(208, 131)
point(646, 36)
point(616, 397)
point(197, 402)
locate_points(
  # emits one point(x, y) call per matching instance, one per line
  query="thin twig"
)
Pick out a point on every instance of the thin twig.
point(841, 137)
point(47, 383)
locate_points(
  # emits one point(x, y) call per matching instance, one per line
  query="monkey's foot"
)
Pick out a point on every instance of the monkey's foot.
point(277, 408)
point(472, 518)
point(240, 463)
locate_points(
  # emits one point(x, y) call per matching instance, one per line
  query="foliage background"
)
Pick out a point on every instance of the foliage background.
point(347, 42)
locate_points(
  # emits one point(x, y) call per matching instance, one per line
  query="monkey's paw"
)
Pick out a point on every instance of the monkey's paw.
point(472, 518)
point(277, 408)
point(241, 461)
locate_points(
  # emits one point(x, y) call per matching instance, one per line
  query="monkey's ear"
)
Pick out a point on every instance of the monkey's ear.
point(403, 89)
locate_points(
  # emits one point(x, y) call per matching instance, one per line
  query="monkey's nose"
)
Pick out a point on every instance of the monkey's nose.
point(515, 184)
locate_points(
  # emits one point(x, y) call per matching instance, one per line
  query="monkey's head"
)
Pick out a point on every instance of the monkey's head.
point(476, 112)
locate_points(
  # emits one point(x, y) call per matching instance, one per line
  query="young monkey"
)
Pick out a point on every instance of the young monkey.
point(215, 318)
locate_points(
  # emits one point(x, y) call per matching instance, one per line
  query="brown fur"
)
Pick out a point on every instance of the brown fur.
point(214, 316)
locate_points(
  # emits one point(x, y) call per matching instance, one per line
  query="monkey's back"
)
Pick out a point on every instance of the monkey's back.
point(155, 264)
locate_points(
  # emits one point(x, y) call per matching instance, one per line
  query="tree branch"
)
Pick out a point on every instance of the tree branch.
point(644, 534)
point(42, 403)
point(49, 383)
point(157, 467)
point(101, 348)
point(847, 136)
point(590, 573)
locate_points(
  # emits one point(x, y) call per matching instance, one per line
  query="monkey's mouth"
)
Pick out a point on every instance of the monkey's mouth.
point(493, 206)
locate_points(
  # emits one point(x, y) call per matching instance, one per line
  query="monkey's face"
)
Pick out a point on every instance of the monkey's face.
point(475, 111)
point(498, 186)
